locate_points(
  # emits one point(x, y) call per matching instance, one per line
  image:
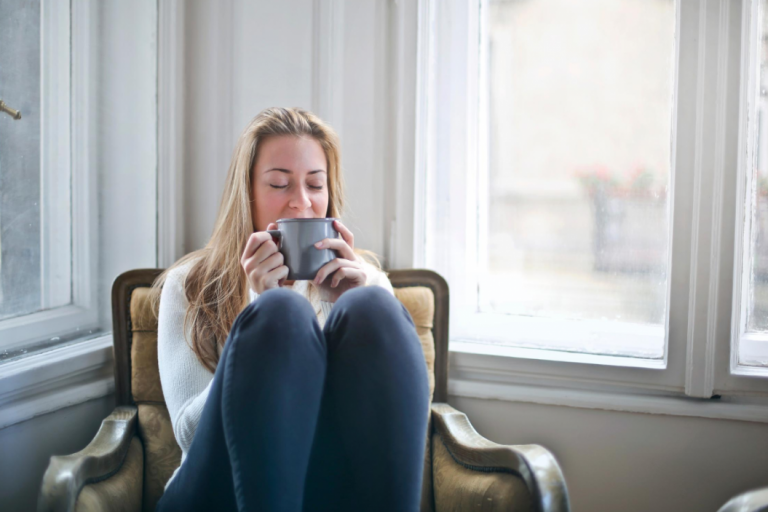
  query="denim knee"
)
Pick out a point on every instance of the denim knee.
point(277, 306)
point(370, 307)
point(364, 298)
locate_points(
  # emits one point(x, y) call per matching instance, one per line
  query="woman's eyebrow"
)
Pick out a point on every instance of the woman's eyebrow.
point(291, 172)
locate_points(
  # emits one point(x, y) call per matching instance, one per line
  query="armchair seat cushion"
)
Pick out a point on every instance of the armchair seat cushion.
point(122, 491)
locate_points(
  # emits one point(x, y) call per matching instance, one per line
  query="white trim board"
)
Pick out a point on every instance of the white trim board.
point(53, 380)
point(621, 402)
point(170, 132)
point(328, 62)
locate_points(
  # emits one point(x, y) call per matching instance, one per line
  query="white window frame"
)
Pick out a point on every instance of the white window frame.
point(711, 39)
point(741, 376)
point(43, 378)
point(68, 243)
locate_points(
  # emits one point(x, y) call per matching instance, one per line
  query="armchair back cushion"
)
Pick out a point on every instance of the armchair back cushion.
point(162, 454)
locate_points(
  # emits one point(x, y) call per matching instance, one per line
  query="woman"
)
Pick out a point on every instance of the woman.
point(288, 396)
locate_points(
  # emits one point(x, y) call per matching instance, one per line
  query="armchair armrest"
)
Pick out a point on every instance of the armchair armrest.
point(67, 474)
point(534, 464)
point(750, 501)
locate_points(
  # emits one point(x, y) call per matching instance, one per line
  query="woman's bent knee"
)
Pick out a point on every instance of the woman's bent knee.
point(282, 303)
point(278, 306)
point(369, 299)
point(369, 308)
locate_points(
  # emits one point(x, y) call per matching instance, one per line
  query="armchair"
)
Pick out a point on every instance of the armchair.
point(750, 501)
point(134, 453)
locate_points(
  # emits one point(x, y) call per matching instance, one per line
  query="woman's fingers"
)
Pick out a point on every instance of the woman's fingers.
point(337, 244)
point(354, 275)
point(331, 267)
point(275, 277)
point(344, 245)
point(258, 271)
point(261, 260)
point(254, 242)
point(272, 262)
point(264, 251)
point(346, 234)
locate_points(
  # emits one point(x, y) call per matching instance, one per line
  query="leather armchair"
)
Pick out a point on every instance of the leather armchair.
point(134, 453)
point(750, 501)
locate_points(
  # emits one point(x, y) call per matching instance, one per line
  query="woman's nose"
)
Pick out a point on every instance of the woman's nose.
point(300, 201)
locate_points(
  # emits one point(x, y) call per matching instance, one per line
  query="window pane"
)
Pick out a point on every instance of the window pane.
point(754, 350)
point(20, 290)
point(579, 166)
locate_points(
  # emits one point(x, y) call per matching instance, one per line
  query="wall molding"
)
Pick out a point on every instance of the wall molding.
point(328, 62)
point(709, 168)
point(609, 401)
point(170, 132)
point(406, 20)
point(59, 378)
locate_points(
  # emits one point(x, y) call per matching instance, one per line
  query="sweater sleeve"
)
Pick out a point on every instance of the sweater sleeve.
point(376, 277)
point(185, 381)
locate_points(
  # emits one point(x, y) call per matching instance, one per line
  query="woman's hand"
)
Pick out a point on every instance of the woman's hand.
point(346, 272)
point(262, 263)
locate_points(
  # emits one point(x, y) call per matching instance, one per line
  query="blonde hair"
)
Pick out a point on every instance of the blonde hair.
point(216, 286)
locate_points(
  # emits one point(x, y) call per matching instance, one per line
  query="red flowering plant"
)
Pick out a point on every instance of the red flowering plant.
point(598, 180)
point(762, 186)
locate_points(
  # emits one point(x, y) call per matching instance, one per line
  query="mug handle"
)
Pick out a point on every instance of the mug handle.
point(277, 237)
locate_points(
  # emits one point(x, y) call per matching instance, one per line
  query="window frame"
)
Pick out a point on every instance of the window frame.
point(708, 121)
point(68, 245)
point(738, 376)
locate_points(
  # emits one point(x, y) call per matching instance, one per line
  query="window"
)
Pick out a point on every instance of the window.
point(77, 171)
point(752, 349)
point(36, 256)
point(583, 177)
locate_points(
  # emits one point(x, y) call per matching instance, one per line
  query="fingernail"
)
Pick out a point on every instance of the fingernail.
point(319, 245)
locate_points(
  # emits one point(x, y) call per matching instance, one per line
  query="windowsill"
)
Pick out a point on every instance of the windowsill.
point(478, 371)
point(66, 376)
point(58, 378)
point(472, 347)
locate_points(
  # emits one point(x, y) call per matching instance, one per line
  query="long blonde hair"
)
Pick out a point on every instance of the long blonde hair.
point(216, 286)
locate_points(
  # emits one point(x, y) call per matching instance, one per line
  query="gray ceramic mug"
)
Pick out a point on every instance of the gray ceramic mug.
point(296, 239)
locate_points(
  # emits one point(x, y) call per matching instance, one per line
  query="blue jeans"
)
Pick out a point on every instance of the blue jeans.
point(300, 418)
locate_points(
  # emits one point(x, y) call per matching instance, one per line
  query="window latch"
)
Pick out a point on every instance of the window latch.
point(8, 110)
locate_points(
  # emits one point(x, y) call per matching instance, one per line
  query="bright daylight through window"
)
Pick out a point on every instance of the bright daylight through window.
point(20, 208)
point(74, 212)
point(753, 349)
point(580, 114)
point(559, 220)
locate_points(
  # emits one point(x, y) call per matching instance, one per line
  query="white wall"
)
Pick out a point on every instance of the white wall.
point(617, 461)
point(242, 57)
point(125, 122)
point(27, 447)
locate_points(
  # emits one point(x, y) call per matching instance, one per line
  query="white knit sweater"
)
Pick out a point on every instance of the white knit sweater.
point(185, 381)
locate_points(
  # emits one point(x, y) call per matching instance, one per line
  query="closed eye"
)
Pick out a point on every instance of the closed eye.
point(284, 186)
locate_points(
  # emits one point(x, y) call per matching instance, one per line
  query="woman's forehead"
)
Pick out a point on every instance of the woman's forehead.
point(288, 152)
